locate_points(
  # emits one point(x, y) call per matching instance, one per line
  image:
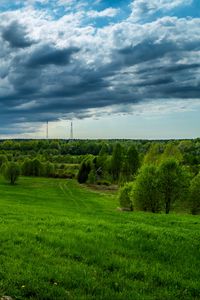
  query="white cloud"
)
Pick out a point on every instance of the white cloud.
point(143, 8)
point(108, 12)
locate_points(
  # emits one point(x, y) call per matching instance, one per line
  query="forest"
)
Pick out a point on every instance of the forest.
point(155, 176)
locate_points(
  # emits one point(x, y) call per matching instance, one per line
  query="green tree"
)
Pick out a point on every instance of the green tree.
point(92, 176)
point(104, 149)
point(194, 195)
point(131, 164)
point(146, 193)
point(153, 156)
point(3, 160)
point(172, 182)
point(116, 161)
point(172, 151)
point(11, 172)
point(85, 168)
point(27, 167)
point(49, 169)
point(37, 167)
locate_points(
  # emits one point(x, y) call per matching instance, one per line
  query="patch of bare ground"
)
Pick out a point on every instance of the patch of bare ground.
point(104, 188)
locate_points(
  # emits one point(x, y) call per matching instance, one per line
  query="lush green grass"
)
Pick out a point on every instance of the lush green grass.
point(61, 241)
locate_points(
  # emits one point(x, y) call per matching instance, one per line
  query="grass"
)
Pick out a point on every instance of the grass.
point(59, 240)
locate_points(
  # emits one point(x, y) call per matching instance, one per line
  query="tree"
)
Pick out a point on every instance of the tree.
point(153, 156)
point(125, 198)
point(92, 176)
point(37, 167)
point(11, 172)
point(146, 193)
point(101, 161)
point(131, 163)
point(49, 169)
point(104, 149)
point(116, 161)
point(3, 160)
point(194, 195)
point(85, 168)
point(171, 150)
point(27, 167)
point(172, 182)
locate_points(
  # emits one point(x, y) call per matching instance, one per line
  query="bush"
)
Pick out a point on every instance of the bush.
point(125, 197)
point(194, 195)
point(11, 172)
point(146, 193)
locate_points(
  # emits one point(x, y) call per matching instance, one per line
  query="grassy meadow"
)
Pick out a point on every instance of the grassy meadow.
point(61, 240)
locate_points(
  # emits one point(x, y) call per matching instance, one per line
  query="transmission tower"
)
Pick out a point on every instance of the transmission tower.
point(47, 130)
point(71, 132)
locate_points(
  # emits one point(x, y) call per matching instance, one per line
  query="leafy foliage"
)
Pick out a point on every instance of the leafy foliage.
point(172, 182)
point(85, 168)
point(194, 195)
point(116, 162)
point(125, 196)
point(11, 172)
point(146, 192)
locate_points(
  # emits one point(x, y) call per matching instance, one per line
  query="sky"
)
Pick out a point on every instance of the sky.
point(116, 68)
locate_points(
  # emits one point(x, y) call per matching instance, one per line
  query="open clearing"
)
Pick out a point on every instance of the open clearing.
point(59, 240)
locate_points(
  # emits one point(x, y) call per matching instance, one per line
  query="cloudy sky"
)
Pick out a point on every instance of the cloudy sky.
point(117, 68)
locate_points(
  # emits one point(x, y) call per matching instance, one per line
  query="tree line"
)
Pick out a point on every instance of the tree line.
point(137, 167)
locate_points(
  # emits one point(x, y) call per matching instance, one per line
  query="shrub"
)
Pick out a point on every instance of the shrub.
point(125, 197)
point(11, 172)
point(194, 195)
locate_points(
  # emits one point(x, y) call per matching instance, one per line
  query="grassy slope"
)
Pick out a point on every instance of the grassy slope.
point(61, 241)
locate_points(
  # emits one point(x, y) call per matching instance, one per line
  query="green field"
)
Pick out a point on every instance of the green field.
point(59, 240)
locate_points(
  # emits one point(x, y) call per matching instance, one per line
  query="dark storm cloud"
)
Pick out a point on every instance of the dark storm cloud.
point(49, 54)
point(145, 51)
point(16, 35)
point(45, 80)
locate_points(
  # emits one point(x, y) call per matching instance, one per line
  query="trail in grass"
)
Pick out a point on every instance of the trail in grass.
point(60, 240)
point(71, 195)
